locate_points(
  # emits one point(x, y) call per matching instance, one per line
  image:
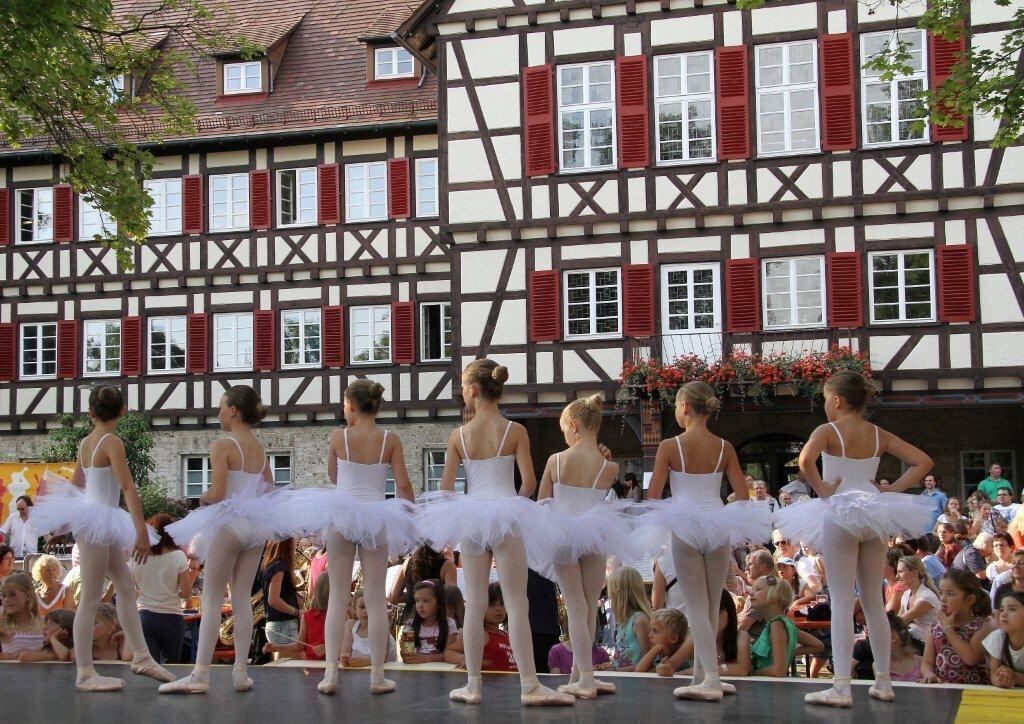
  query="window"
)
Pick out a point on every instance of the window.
point(974, 466)
point(433, 469)
point(902, 286)
point(893, 109)
point(35, 215)
point(586, 113)
point(692, 315)
point(39, 350)
point(243, 77)
point(685, 106)
point(229, 202)
point(366, 191)
point(371, 334)
point(281, 469)
point(794, 295)
point(436, 331)
point(300, 337)
point(787, 98)
point(592, 303)
point(94, 222)
point(165, 213)
point(233, 341)
point(115, 87)
point(296, 197)
point(102, 347)
point(392, 63)
point(426, 187)
point(166, 344)
point(197, 475)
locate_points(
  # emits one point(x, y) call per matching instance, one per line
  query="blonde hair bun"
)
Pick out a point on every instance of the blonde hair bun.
point(711, 404)
point(595, 402)
point(500, 374)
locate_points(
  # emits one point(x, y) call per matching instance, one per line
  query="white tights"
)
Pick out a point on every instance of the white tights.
point(702, 578)
point(581, 585)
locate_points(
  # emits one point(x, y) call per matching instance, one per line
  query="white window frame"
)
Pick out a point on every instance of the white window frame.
point(273, 461)
point(204, 474)
point(592, 302)
point(794, 309)
point(227, 327)
point(44, 331)
point(586, 107)
point(116, 85)
point(92, 221)
point(357, 347)
point(901, 285)
point(867, 80)
point(172, 322)
point(433, 471)
point(786, 89)
point(39, 206)
point(371, 171)
point(162, 222)
point(235, 209)
point(445, 333)
point(98, 328)
point(245, 74)
point(716, 298)
point(306, 316)
point(393, 57)
point(685, 98)
point(426, 194)
point(305, 204)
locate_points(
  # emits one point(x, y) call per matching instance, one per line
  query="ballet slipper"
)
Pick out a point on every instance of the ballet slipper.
point(727, 688)
point(186, 685)
point(380, 685)
point(329, 684)
point(604, 687)
point(95, 682)
point(466, 695)
point(146, 666)
point(700, 692)
point(829, 697)
point(241, 681)
point(540, 695)
point(882, 694)
point(579, 690)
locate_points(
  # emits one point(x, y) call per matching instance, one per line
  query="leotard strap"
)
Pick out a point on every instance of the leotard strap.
point(240, 453)
point(842, 443)
point(876, 442)
point(344, 435)
point(92, 460)
point(599, 473)
point(558, 467)
point(721, 454)
point(462, 436)
point(682, 459)
point(383, 445)
point(501, 445)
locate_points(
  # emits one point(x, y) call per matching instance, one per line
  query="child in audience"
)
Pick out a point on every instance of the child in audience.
point(632, 612)
point(733, 646)
point(904, 662)
point(669, 630)
point(953, 653)
point(355, 647)
point(1005, 645)
point(21, 626)
point(59, 625)
point(310, 641)
point(560, 658)
point(108, 639)
point(434, 631)
point(772, 652)
point(498, 654)
point(455, 603)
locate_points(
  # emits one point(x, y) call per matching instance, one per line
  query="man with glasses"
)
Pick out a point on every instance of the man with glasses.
point(18, 530)
point(1005, 505)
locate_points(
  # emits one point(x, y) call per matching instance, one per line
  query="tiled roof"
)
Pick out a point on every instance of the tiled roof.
point(388, 20)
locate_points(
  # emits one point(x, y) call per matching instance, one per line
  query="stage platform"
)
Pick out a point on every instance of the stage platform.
point(44, 693)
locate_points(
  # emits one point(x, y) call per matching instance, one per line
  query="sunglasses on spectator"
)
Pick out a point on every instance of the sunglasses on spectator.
point(781, 542)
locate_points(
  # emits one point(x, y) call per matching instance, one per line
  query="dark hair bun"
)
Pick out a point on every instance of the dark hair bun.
point(106, 402)
point(247, 401)
point(377, 390)
point(500, 374)
point(365, 396)
point(261, 411)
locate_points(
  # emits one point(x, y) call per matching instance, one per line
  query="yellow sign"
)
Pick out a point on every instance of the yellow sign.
point(17, 479)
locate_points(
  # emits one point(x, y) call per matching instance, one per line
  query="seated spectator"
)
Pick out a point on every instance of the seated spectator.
point(948, 544)
point(732, 643)
point(108, 641)
point(310, 644)
point(163, 581)
point(6, 562)
point(632, 615)
point(759, 563)
point(21, 626)
point(984, 520)
point(892, 587)
point(811, 570)
point(1004, 505)
point(497, 654)
point(423, 564)
point(904, 662)
point(1012, 580)
point(953, 512)
point(919, 604)
point(1002, 553)
point(972, 556)
point(52, 594)
point(772, 652)
point(560, 658)
point(924, 549)
point(1005, 645)
point(953, 652)
point(796, 489)
point(784, 548)
point(433, 631)
point(59, 624)
point(1016, 528)
point(761, 495)
point(455, 604)
point(669, 630)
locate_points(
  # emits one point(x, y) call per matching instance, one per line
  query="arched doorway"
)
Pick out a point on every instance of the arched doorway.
point(773, 458)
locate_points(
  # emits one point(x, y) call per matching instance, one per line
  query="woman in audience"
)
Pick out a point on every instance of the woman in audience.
point(21, 626)
point(904, 661)
point(53, 594)
point(892, 587)
point(6, 563)
point(1002, 552)
point(984, 520)
point(423, 564)
point(919, 604)
point(948, 545)
point(1005, 645)
point(163, 580)
point(280, 596)
point(953, 652)
point(953, 512)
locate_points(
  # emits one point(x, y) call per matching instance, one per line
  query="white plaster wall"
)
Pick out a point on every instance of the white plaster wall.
point(584, 40)
point(490, 57)
point(998, 303)
point(474, 206)
point(670, 31)
point(783, 18)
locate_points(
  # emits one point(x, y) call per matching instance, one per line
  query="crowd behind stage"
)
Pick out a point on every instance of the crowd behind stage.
point(954, 597)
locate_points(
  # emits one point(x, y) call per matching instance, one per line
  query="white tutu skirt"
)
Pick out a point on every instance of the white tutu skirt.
point(370, 524)
point(248, 516)
point(65, 509)
point(863, 514)
point(605, 530)
point(704, 529)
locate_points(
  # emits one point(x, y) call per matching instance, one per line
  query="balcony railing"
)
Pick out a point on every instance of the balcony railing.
point(709, 345)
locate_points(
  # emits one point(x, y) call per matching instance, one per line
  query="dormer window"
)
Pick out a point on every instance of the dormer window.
point(244, 77)
point(115, 86)
point(392, 63)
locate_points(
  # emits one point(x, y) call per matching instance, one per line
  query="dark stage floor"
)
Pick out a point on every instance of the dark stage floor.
point(45, 693)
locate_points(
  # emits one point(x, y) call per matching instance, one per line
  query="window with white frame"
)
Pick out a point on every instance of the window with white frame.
point(229, 202)
point(693, 298)
point(794, 292)
point(166, 344)
point(390, 63)
point(787, 97)
point(684, 102)
point(366, 191)
point(426, 187)
point(975, 464)
point(165, 212)
point(35, 215)
point(902, 286)
point(435, 331)
point(115, 87)
point(371, 334)
point(592, 307)
point(102, 347)
point(244, 77)
point(300, 337)
point(586, 116)
point(893, 109)
point(433, 471)
point(196, 473)
point(93, 221)
point(296, 197)
point(281, 469)
point(39, 350)
point(232, 338)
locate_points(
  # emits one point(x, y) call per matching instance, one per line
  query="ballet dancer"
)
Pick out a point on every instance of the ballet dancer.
point(701, 528)
point(228, 532)
point(491, 520)
point(102, 530)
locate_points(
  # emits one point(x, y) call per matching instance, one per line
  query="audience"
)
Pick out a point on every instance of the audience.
point(6, 561)
point(52, 594)
point(919, 604)
point(58, 625)
point(953, 652)
point(972, 556)
point(953, 512)
point(669, 629)
point(732, 642)
point(560, 657)
point(1005, 506)
point(948, 544)
point(21, 626)
point(108, 643)
point(772, 652)
point(1005, 645)
point(905, 660)
point(1012, 580)
point(455, 604)
point(924, 548)
point(545, 630)
point(280, 596)
point(310, 641)
point(632, 615)
point(498, 648)
point(163, 581)
point(433, 631)
point(423, 564)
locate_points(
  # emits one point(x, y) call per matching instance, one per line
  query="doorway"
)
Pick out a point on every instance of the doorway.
point(773, 458)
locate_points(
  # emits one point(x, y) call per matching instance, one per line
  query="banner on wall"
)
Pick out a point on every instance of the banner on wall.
point(17, 479)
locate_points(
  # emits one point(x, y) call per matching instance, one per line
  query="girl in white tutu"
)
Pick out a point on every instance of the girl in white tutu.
point(851, 521)
point(228, 532)
point(102, 531)
point(491, 520)
point(702, 529)
point(590, 529)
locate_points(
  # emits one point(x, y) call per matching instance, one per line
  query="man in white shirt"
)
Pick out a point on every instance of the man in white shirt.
point(761, 495)
point(797, 489)
point(1005, 505)
point(18, 530)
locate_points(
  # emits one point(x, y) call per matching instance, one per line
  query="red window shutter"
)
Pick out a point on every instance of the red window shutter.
point(131, 346)
point(8, 352)
point(332, 320)
point(196, 334)
point(631, 95)
point(742, 295)
point(403, 333)
point(638, 298)
point(192, 198)
point(732, 102)
point(539, 120)
point(398, 188)
point(263, 339)
point(5, 217)
point(67, 349)
point(545, 307)
point(328, 204)
point(845, 289)
point(63, 218)
point(956, 283)
point(838, 104)
point(943, 55)
point(259, 200)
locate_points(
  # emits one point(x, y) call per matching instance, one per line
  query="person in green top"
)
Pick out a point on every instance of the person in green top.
point(991, 485)
point(772, 652)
